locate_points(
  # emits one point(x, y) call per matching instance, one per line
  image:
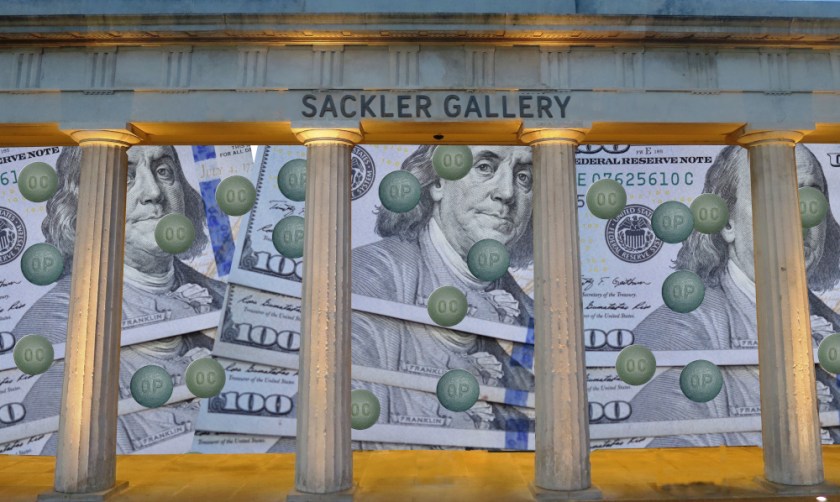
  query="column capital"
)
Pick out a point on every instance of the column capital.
point(330, 135)
point(532, 136)
point(119, 137)
point(755, 137)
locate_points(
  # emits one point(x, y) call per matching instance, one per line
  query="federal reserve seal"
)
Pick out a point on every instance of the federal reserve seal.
point(364, 172)
point(630, 235)
point(12, 235)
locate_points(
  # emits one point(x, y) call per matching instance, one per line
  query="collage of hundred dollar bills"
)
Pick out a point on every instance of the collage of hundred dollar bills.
point(234, 297)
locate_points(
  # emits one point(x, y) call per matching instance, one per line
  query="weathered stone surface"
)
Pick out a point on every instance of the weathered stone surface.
point(86, 456)
point(324, 463)
point(789, 419)
point(562, 434)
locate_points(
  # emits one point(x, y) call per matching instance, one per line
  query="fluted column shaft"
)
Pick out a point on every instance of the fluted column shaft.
point(324, 463)
point(789, 417)
point(562, 427)
point(87, 435)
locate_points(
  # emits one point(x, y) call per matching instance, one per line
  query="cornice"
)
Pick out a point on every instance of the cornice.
point(385, 28)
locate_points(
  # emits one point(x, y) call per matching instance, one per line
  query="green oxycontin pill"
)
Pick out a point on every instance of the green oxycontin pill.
point(813, 206)
point(42, 264)
point(683, 291)
point(701, 381)
point(829, 353)
point(292, 180)
point(488, 259)
point(399, 191)
point(33, 354)
point(606, 198)
point(672, 222)
point(174, 233)
point(710, 213)
point(236, 195)
point(364, 409)
point(447, 306)
point(452, 162)
point(288, 236)
point(38, 182)
point(205, 377)
point(151, 386)
point(457, 390)
point(635, 364)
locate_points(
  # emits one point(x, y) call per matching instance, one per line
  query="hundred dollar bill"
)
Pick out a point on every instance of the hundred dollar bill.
point(165, 430)
point(398, 260)
point(262, 400)
point(162, 295)
point(264, 328)
point(30, 405)
point(259, 265)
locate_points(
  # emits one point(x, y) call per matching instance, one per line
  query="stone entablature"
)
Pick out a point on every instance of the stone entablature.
point(648, 73)
point(624, 93)
point(653, 68)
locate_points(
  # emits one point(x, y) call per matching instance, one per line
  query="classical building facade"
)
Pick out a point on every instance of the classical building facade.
point(550, 74)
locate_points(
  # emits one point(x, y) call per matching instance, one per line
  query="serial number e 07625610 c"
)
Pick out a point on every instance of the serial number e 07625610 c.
point(639, 178)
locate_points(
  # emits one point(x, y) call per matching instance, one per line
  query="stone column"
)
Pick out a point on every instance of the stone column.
point(324, 463)
point(562, 425)
point(87, 434)
point(789, 418)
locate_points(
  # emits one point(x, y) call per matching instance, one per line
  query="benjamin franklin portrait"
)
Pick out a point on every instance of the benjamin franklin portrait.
point(727, 317)
point(157, 286)
point(426, 248)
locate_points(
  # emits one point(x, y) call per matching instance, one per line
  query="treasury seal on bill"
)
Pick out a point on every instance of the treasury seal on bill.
point(364, 172)
point(630, 235)
point(12, 235)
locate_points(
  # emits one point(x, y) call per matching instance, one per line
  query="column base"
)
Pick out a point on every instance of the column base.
point(541, 494)
point(342, 496)
point(797, 490)
point(118, 487)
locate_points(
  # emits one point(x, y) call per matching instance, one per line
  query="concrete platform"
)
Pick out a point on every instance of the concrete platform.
point(438, 476)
